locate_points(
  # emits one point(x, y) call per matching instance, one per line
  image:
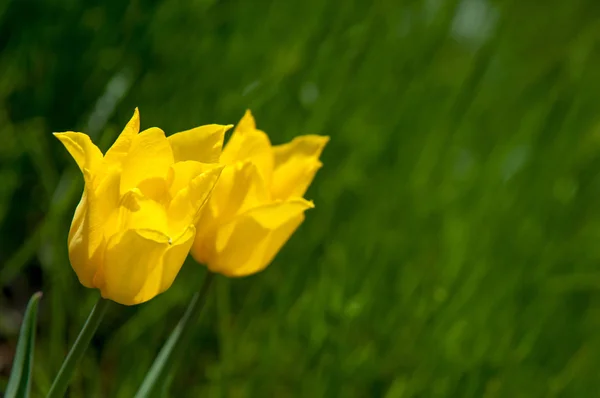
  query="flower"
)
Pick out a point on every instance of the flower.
point(134, 225)
point(257, 203)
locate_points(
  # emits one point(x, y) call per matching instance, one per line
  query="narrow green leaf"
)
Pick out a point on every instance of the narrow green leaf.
point(65, 373)
point(160, 375)
point(19, 383)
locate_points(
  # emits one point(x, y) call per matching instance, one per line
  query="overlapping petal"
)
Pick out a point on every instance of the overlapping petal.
point(88, 229)
point(134, 225)
point(131, 256)
point(184, 208)
point(257, 203)
point(248, 143)
point(117, 152)
point(169, 264)
point(248, 243)
point(296, 164)
point(201, 144)
point(150, 156)
point(241, 187)
point(81, 255)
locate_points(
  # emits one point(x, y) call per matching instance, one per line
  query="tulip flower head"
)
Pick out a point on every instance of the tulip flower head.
point(258, 203)
point(134, 225)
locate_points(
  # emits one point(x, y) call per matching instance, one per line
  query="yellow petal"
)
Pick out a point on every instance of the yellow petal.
point(249, 243)
point(202, 144)
point(84, 261)
point(86, 236)
point(131, 258)
point(185, 207)
point(139, 212)
point(132, 211)
point(157, 189)
point(240, 187)
point(82, 149)
point(248, 143)
point(117, 152)
point(161, 278)
point(182, 173)
point(149, 157)
point(204, 242)
point(296, 164)
point(247, 123)
point(106, 196)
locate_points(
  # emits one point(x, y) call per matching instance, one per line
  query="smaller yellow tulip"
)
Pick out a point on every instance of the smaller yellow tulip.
point(134, 225)
point(257, 203)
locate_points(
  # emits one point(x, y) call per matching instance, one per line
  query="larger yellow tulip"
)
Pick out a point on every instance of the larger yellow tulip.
point(134, 225)
point(257, 203)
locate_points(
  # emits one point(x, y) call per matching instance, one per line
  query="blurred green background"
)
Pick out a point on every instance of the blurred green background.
point(454, 247)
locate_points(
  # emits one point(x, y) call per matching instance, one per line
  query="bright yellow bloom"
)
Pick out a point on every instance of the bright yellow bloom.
point(134, 225)
point(257, 203)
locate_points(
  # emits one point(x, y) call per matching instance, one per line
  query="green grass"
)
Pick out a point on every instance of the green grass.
point(453, 250)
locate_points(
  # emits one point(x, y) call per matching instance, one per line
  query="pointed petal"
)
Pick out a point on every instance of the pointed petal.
point(161, 278)
point(202, 144)
point(277, 239)
point(117, 152)
point(305, 146)
point(149, 156)
point(248, 143)
point(249, 243)
point(271, 216)
point(247, 123)
point(82, 149)
point(130, 261)
point(296, 164)
point(185, 207)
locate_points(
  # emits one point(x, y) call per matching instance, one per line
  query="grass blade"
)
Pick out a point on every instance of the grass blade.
point(19, 383)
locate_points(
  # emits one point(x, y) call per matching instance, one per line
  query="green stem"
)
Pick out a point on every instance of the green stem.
point(178, 339)
point(61, 382)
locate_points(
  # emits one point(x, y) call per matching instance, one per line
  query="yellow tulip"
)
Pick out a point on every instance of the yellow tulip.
point(257, 203)
point(134, 225)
